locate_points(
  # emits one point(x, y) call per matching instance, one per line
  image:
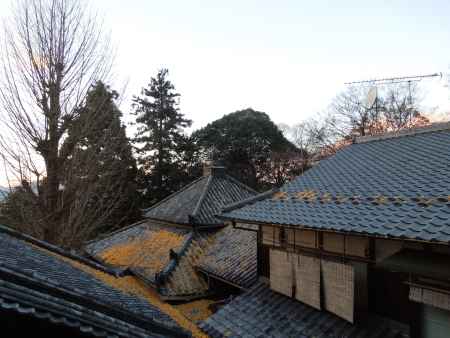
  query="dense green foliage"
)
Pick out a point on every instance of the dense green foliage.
point(245, 141)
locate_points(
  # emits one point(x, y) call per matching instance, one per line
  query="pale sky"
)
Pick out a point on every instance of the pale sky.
point(287, 58)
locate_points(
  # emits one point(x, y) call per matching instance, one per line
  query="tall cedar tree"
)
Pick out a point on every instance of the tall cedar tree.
point(160, 141)
point(105, 158)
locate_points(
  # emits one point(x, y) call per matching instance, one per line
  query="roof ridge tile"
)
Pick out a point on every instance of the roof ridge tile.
point(202, 196)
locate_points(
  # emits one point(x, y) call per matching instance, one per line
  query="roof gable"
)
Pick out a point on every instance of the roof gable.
point(178, 207)
point(200, 201)
point(221, 191)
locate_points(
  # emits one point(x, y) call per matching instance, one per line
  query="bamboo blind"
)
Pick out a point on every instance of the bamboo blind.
point(338, 289)
point(430, 297)
point(281, 272)
point(307, 280)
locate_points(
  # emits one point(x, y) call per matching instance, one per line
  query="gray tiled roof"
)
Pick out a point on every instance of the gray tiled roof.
point(183, 281)
point(196, 204)
point(223, 252)
point(121, 236)
point(35, 279)
point(232, 257)
point(148, 252)
point(396, 187)
point(176, 277)
point(261, 312)
point(180, 205)
point(200, 201)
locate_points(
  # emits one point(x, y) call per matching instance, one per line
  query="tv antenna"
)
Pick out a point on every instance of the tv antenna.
point(372, 95)
point(392, 80)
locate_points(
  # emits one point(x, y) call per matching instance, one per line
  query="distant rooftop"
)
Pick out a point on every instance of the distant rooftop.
point(198, 203)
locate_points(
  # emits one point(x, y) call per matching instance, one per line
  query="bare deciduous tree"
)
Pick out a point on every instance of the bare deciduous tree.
point(53, 51)
point(349, 115)
point(396, 107)
point(314, 138)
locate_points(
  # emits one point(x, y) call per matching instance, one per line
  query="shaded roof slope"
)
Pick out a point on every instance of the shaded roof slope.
point(178, 207)
point(393, 186)
point(36, 279)
point(184, 281)
point(200, 201)
point(261, 312)
point(232, 257)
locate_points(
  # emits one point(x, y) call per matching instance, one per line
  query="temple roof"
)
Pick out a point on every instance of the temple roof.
point(167, 257)
point(199, 202)
point(166, 248)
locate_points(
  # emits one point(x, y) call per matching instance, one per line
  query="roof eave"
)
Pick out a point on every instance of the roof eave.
point(330, 230)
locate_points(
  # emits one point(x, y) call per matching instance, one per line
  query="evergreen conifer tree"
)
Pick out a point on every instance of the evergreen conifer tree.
point(160, 139)
point(103, 159)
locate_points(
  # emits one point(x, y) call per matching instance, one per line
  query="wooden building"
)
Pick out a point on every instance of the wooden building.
point(360, 243)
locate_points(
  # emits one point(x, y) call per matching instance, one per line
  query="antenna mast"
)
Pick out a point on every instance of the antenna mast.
point(372, 96)
point(391, 80)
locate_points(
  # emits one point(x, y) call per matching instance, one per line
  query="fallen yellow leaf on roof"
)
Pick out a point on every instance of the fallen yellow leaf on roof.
point(133, 286)
point(150, 251)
